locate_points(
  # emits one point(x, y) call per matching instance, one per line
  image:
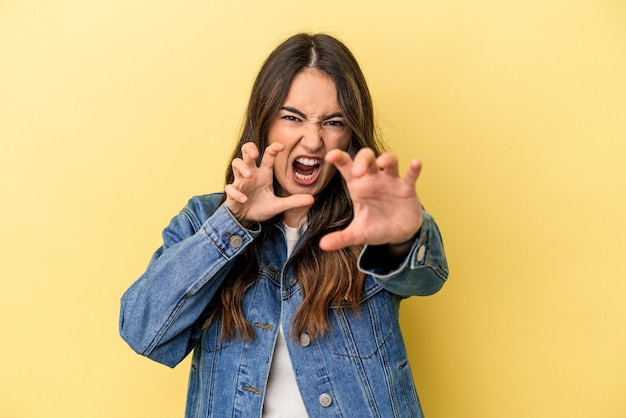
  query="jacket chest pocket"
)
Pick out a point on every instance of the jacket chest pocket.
point(361, 335)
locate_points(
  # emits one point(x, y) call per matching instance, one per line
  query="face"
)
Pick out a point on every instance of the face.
point(309, 124)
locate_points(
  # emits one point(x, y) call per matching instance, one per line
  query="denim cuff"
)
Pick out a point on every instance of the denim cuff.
point(374, 259)
point(227, 233)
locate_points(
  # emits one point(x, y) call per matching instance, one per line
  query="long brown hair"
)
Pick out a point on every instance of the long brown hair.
point(327, 279)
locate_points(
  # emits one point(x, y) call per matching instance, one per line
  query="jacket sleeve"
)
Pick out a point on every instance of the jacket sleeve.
point(160, 312)
point(422, 272)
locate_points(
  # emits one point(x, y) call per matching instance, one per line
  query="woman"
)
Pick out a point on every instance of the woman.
point(287, 286)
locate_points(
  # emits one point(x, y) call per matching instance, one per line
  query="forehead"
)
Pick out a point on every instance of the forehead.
point(313, 93)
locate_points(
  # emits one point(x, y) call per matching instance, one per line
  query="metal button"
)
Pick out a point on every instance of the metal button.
point(305, 339)
point(325, 400)
point(421, 252)
point(293, 281)
point(236, 241)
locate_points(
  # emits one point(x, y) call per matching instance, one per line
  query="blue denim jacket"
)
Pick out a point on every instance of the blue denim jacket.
point(359, 368)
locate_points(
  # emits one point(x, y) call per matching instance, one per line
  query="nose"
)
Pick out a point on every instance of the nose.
point(312, 136)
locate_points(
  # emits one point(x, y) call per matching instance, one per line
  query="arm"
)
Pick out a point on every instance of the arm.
point(161, 314)
point(160, 311)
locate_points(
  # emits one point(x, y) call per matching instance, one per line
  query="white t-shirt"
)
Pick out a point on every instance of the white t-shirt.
point(282, 396)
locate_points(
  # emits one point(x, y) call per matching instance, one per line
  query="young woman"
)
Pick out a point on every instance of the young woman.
point(287, 286)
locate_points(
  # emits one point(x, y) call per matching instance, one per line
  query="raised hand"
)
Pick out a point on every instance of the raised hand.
point(250, 197)
point(386, 207)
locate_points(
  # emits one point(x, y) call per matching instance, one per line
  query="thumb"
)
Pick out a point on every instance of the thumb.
point(294, 201)
point(337, 240)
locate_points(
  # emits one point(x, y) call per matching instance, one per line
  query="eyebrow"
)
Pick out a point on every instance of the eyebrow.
point(301, 114)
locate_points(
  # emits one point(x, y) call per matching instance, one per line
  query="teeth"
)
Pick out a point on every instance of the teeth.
point(308, 161)
point(303, 177)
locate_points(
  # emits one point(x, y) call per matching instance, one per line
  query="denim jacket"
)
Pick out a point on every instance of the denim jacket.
point(359, 368)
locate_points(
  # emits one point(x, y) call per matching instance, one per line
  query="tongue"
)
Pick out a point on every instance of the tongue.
point(303, 169)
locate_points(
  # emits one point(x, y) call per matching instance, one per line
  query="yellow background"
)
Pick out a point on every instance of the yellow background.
point(112, 114)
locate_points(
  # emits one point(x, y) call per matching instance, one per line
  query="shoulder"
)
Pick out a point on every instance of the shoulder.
point(206, 203)
point(199, 208)
point(190, 218)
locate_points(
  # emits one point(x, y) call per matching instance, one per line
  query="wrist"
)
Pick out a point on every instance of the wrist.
point(247, 224)
point(401, 249)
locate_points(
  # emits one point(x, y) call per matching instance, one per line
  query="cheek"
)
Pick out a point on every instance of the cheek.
point(275, 132)
point(280, 164)
point(329, 171)
point(271, 135)
point(344, 142)
point(286, 135)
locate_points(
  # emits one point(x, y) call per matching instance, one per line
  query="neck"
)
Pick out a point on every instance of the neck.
point(293, 217)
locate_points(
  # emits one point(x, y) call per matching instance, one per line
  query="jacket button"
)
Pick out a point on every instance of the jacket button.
point(305, 340)
point(236, 241)
point(293, 281)
point(325, 400)
point(421, 252)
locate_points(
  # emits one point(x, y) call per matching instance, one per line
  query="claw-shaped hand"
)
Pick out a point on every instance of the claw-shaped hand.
point(250, 197)
point(386, 207)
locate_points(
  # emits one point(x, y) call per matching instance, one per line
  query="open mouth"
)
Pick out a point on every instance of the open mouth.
point(306, 170)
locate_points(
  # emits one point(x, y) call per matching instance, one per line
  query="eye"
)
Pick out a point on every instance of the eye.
point(335, 123)
point(291, 118)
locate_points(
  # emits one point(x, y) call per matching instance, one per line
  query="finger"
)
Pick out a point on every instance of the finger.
point(249, 153)
point(338, 240)
point(342, 161)
point(269, 156)
point(389, 164)
point(240, 168)
point(364, 162)
point(415, 168)
point(233, 193)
